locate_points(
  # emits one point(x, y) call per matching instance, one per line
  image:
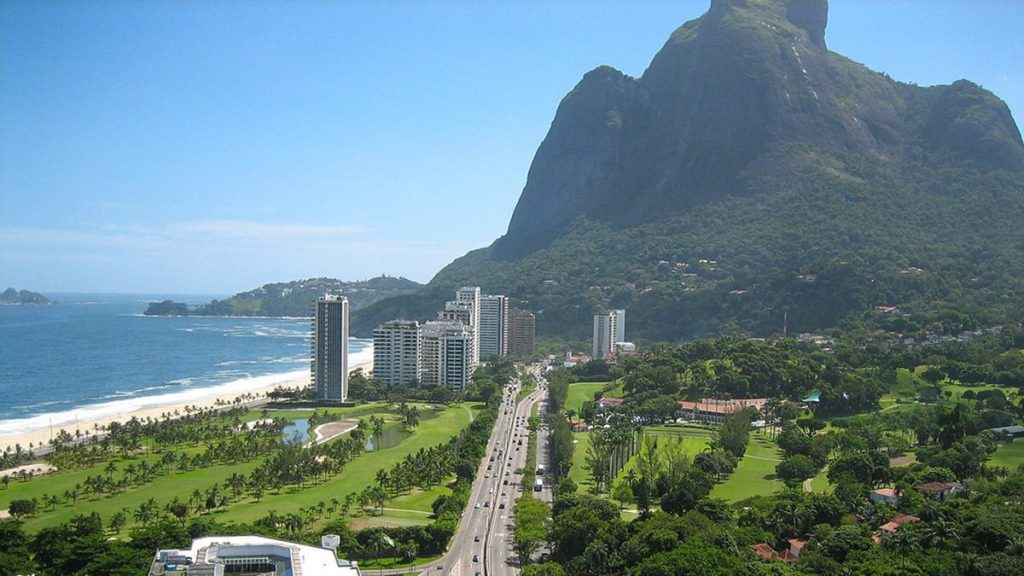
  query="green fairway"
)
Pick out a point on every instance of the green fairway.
point(820, 482)
point(578, 473)
point(755, 473)
point(695, 440)
point(1009, 455)
point(581, 392)
point(357, 474)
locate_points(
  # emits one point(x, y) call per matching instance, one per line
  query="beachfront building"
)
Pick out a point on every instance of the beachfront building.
point(396, 352)
point(446, 349)
point(493, 325)
point(522, 327)
point(329, 358)
point(606, 332)
point(219, 555)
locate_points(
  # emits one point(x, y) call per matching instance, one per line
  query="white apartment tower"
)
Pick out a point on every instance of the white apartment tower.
point(329, 357)
point(494, 325)
point(445, 354)
point(470, 295)
point(620, 325)
point(606, 333)
point(396, 352)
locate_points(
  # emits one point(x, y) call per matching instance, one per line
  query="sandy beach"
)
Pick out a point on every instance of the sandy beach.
point(156, 406)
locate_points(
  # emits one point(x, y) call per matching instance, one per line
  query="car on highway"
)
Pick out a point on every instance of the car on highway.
point(477, 505)
point(501, 506)
point(476, 557)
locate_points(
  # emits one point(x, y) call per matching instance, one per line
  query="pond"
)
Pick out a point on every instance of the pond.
point(389, 438)
point(296, 432)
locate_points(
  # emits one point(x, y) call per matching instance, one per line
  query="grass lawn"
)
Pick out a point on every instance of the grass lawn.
point(581, 392)
point(755, 473)
point(694, 438)
point(820, 482)
point(578, 473)
point(163, 488)
point(357, 474)
point(1009, 455)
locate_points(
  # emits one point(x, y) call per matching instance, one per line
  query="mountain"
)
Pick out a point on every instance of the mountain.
point(12, 296)
point(293, 298)
point(751, 174)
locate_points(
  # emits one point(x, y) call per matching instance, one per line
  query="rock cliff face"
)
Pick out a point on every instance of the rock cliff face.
point(733, 102)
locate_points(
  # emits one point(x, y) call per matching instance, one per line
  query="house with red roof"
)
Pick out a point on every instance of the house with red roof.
point(714, 410)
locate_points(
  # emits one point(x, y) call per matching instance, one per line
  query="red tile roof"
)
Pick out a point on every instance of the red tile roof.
point(764, 551)
point(893, 525)
point(722, 406)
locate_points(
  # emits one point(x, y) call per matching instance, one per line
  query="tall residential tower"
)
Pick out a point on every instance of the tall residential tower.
point(329, 365)
point(607, 332)
point(493, 325)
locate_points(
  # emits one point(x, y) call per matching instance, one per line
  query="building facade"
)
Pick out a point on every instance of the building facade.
point(470, 296)
point(620, 326)
point(522, 333)
point(329, 358)
point(396, 352)
point(446, 350)
point(493, 325)
point(605, 332)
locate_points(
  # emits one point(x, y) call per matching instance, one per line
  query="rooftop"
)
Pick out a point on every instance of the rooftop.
point(711, 406)
point(249, 555)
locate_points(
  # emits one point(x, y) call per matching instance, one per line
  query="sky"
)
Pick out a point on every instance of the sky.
point(210, 147)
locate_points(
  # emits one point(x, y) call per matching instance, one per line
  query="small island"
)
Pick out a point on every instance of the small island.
point(12, 296)
point(167, 308)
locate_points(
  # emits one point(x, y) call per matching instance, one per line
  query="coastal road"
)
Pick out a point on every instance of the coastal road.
point(482, 544)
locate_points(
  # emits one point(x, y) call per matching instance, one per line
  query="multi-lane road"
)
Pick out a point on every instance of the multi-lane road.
point(482, 545)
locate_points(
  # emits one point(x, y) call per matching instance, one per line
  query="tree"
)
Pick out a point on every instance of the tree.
point(953, 427)
point(796, 469)
point(545, 569)
point(733, 434)
point(622, 493)
point(22, 507)
point(118, 521)
point(599, 455)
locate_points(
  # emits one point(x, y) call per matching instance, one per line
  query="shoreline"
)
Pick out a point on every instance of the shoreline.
point(40, 432)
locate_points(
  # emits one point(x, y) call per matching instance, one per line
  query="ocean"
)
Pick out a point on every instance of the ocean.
point(96, 355)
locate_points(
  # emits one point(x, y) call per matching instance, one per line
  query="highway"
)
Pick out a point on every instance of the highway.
point(483, 542)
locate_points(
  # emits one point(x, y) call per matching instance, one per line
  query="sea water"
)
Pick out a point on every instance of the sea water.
point(93, 356)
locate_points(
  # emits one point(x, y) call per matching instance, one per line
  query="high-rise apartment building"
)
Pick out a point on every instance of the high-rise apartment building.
point(470, 295)
point(329, 358)
point(522, 327)
point(493, 325)
point(620, 326)
point(606, 333)
point(396, 352)
point(445, 354)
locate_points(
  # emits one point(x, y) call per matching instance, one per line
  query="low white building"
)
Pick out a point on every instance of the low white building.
point(218, 555)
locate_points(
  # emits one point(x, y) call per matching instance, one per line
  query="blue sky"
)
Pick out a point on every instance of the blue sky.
point(211, 147)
